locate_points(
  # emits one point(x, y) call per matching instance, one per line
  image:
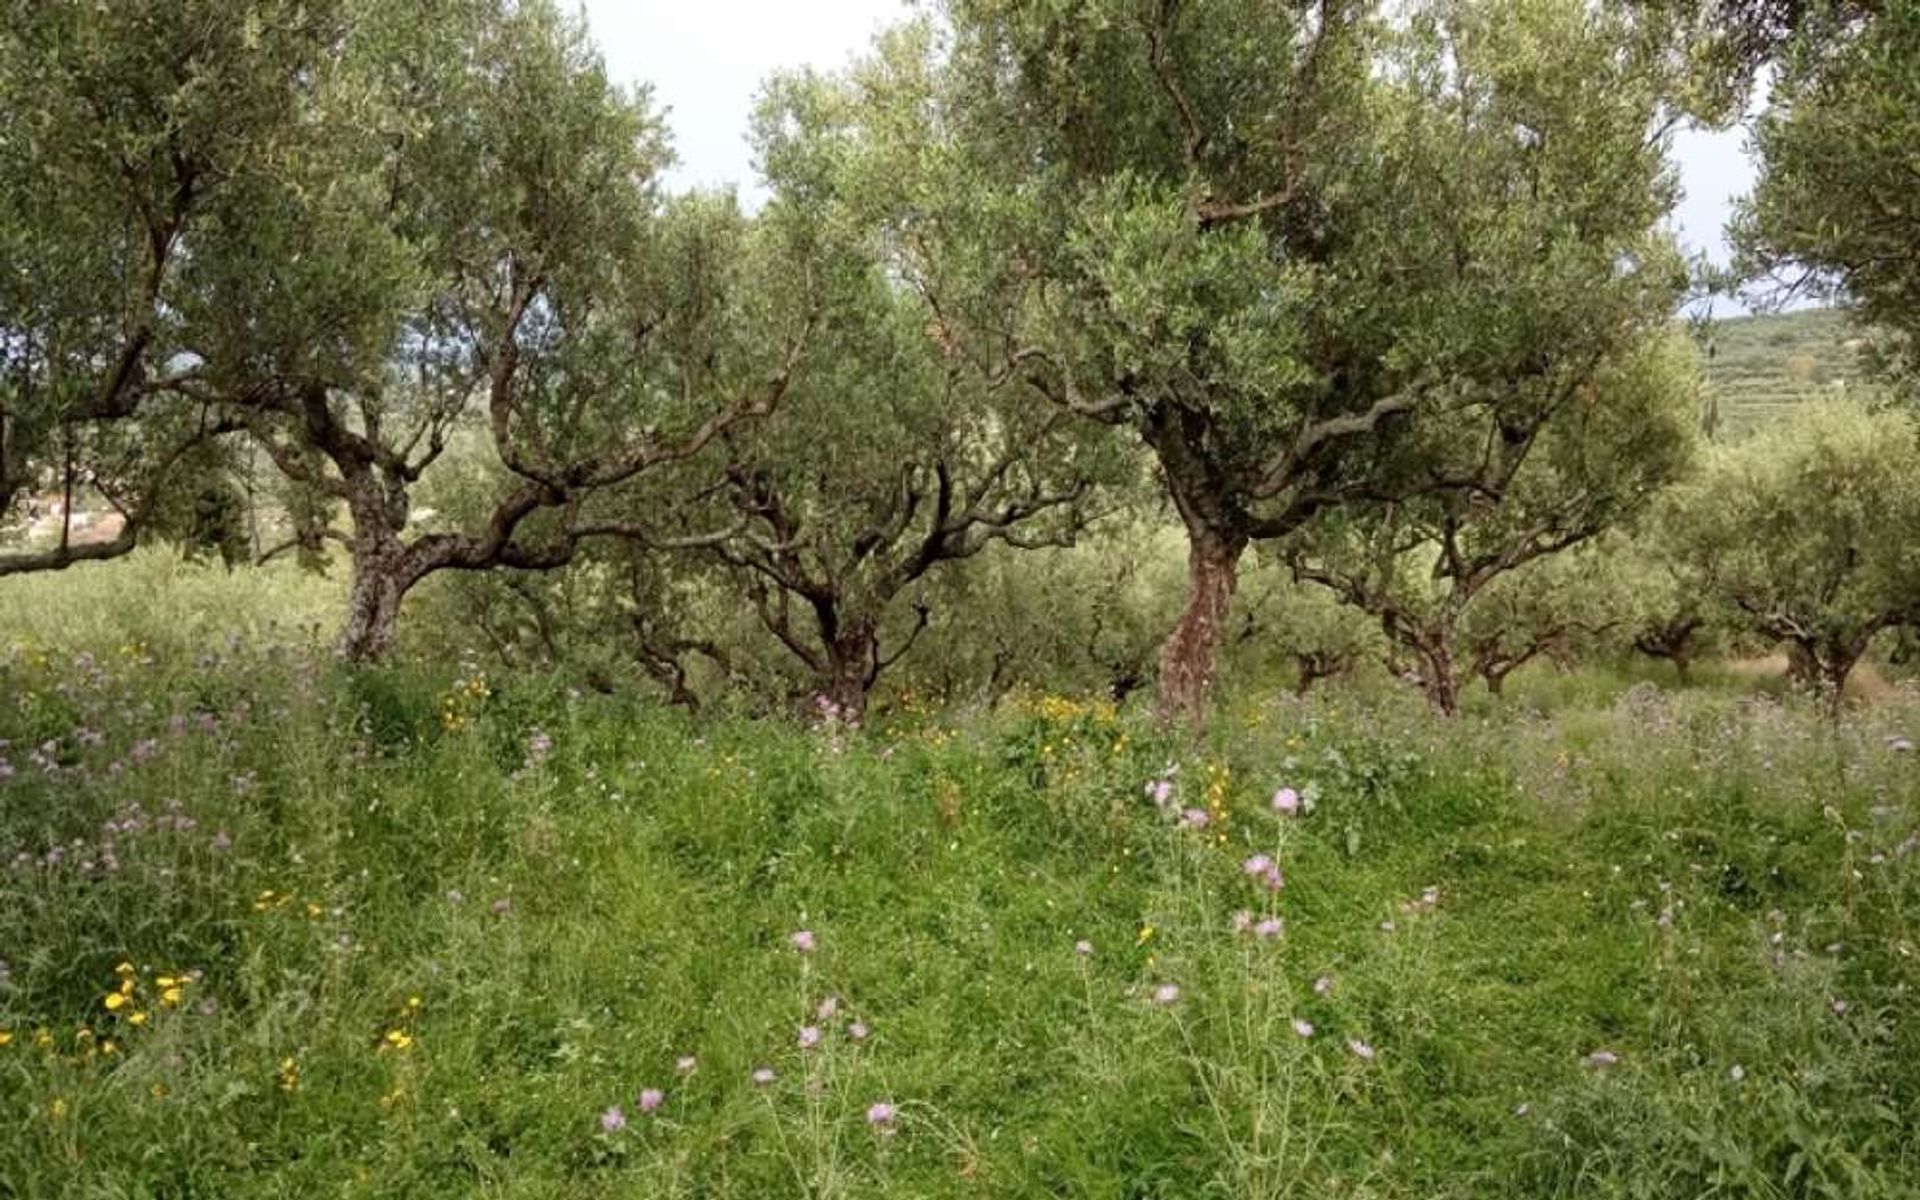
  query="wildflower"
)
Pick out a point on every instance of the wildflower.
point(222, 840)
point(1899, 744)
point(1323, 985)
point(1161, 792)
point(1269, 928)
point(1736, 1072)
point(1839, 1008)
point(1360, 1049)
point(857, 1031)
point(809, 1036)
point(399, 1039)
point(613, 1120)
point(1194, 818)
point(170, 996)
point(1242, 920)
point(1261, 867)
point(6, 1037)
point(1286, 801)
point(881, 1117)
point(502, 906)
point(138, 1018)
point(1166, 994)
point(828, 1007)
point(685, 1064)
point(1387, 927)
point(803, 941)
point(58, 1108)
point(651, 1099)
point(1303, 1027)
point(1083, 947)
point(289, 1074)
point(1601, 1058)
point(114, 1001)
point(763, 1076)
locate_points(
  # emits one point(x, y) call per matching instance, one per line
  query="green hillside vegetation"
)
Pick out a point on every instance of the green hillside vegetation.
point(1758, 365)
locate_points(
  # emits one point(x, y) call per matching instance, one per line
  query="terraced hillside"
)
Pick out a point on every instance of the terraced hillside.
point(1757, 365)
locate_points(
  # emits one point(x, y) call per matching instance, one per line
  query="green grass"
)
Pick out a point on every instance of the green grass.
point(1687, 881)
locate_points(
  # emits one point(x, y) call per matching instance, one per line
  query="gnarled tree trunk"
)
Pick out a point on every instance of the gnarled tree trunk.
point(1187, 659)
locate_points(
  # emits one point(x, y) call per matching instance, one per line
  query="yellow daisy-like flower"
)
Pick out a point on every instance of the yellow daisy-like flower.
point(138, 1018)
point(1146, 934)
point(43, 1037)
point(165, 981)
point(109, 1047)
point(58, 1108)
point(6, 1037)
point(159, 1091)
point(399, 1039)
point(125, 968)
point(170, 996)
point(413, 1002)
point(115, 1000)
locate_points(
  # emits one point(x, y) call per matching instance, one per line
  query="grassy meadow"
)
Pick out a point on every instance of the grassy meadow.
point(275, 928)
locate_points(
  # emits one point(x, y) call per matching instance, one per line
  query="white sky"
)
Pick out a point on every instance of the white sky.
point(706, 60)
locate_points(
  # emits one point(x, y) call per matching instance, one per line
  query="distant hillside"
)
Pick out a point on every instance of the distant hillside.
point(1758, 365)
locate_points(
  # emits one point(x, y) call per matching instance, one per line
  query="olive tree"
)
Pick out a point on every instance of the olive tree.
point(1804, 531)
point(1833, 211)
point(1603, 448)
point(125, 130)
point(1262, 237)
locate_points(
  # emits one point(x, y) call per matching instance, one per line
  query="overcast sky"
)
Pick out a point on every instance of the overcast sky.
point(706, 58)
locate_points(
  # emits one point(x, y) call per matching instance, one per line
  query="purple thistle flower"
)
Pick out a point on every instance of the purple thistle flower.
point(1166, 994)
point(651, 1098)
point(222, 840)
point(1839, 1008)
point(1258, 865)
point(803, 941)
point(1601, 1058)
point(881, 1116)
point(1303, 1027)
point(1161, 792)
point(828, 1008)
point(1269, 928)
point(857, 1030)
point(613, 1120)
point(502, 906)
point(762, 1076)
point(1083, 947)
point(686, 1064)
point(1360, 1049)
point(809, 1036)
point(1194, 818)
point(1286, 801)
point(1242, 920)
point(1323, 985)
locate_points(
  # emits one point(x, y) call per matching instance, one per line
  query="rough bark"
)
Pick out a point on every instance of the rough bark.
point(1188, 658)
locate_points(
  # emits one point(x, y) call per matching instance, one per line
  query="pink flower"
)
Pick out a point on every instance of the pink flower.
point(1286, 801)
point(1262, 868)
point(1601, 1058)
point(1259, 864)
point(857, 1030)
point(1360, 1048)
point(1303, 1027)
point(1194, 818)
point(652, 1098)
point(1839, 1008)
point(1323, 985)
point(685, 1064)
point(1242, 921)
point(803, 941)
point(809, 1036)
point(1269, 928)
point(881, 1117)
point(1083, 947)
point(762, 1076)
point(828, 1007)
point(613, 1120)
point(1166, 994)
point(1161, 791)
point(502, 906)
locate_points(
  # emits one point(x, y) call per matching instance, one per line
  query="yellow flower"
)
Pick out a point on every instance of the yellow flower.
point(159, 1091)
point(165, 981)
point(109, 1047)
point(1146, 934)
point(413, 1002)
point(138, 1018)
point(6, 1037)
point(399, 1039)
point(58, 1108)
point(115, 1000)
point(43, 1037)
point(125, 968)
point(170, 996)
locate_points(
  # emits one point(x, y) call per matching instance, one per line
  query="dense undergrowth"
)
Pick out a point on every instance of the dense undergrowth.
point(276, 928)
